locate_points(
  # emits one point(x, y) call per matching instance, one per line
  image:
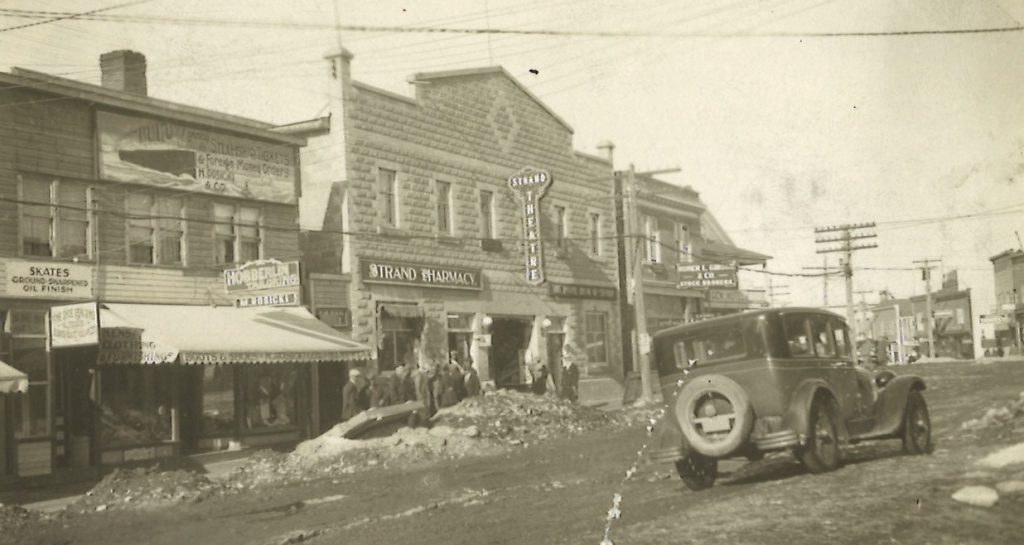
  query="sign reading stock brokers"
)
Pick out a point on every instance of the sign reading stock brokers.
point(529, 185)
point(409, 274)
point(707, 275)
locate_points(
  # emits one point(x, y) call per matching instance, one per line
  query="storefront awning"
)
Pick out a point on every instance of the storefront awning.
point(712, 250)
point(154, 334)
point(401, 311)
point(11, 380)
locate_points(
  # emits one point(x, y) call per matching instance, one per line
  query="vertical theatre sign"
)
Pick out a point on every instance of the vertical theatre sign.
point(529, 186)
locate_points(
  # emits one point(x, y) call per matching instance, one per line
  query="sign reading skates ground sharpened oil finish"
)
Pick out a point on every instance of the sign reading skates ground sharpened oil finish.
point(707, 275)
point(376, 271)
point(529, 185)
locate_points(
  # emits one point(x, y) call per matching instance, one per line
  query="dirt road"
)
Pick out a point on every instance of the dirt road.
point(560, 493)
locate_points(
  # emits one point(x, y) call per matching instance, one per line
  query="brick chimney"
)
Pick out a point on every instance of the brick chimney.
point(125, 71)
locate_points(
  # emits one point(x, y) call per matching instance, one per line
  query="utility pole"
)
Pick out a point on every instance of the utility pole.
point(863, 312)
point(642, 340)
point(929, 321)
point(775, 291)
point(826, 272)
point(848, 233)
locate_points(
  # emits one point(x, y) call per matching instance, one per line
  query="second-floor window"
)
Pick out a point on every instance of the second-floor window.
point(55, 219)
point(652, 240)
point(236, 233)
point(486, 214)
point(683, 243)
point(561, 228)
point(156, 229)
point(387, 192)
point(595, 234)
point(444, 208)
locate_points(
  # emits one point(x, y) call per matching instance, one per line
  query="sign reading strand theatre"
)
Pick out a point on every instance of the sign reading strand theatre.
point(707, 275)
point(409, 274)
point(529, 185)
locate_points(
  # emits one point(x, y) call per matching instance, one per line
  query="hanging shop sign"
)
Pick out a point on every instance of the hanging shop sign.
point(409, 274)
point(164, 154)
point(580, 291)
point(262, 275)
point(267, 300)
point(336, 317)
point(707, 275)
point(74, 325)
point(48, 280)
point(727, 298)
point(997, 319)
point(529, 186)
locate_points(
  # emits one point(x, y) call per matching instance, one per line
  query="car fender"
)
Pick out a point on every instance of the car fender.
point(797, 418)
point(892, 401)
point(667, 443)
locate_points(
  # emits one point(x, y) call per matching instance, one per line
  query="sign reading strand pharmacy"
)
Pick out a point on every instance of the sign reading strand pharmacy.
point(163, 154)
point(74, 325)
point(579, 291)
point(390, 272)
point(261, 275)
point(529, 185)
point(48, 280)
point(707, 275)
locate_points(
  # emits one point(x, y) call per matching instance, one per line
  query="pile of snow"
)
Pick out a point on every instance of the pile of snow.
point(12, 516)
point(145, 488)
point(1012, 455)
point(978, 496)
point(1010, 415)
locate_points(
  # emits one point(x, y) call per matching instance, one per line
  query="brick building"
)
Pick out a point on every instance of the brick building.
point(1008, 315)
point(417, 217)
point(130, 209)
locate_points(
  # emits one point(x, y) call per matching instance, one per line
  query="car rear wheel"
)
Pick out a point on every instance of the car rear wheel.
point(917, 426)
point(821, 453)
point(697, 471)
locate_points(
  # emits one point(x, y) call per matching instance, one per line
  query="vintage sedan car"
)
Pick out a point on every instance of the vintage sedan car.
point(772, 380)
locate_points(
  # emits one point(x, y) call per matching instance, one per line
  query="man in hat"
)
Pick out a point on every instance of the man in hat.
point(354, 395)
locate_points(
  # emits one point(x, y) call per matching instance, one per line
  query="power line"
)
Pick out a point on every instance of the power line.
point(63, 16)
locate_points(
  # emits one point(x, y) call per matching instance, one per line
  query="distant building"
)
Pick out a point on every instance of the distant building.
point(1008, 315)
point(900, 325)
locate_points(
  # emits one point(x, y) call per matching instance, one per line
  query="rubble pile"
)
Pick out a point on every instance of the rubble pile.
point(1000, 421)
point(13, 516)
point(145, 488)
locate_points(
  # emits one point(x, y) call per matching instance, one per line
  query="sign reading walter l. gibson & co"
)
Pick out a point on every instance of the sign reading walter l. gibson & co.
point(374, 271)
point(707, 275)
point(529, 185)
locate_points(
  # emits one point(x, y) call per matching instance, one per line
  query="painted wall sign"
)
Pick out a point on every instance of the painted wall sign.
point(336, 317)
point(409, 274)
point(260, 275)
point(267, 300)
point(48, 280)
point(126, 345)
point(707, 275)
point(529, 186)
point(163, 154)
point(74, 325)
point(579, 291)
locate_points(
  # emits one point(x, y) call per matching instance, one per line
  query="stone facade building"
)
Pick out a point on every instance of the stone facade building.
point(418, 224)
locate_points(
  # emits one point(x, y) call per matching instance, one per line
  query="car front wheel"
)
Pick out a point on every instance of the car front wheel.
point(697, 471)
point(917, 427)
point(821, 453)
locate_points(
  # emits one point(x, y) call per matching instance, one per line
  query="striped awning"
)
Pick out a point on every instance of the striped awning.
point(12, 381)
point(160, 334)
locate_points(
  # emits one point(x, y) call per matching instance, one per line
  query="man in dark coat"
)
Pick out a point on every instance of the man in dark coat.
point(471, 380)
point(569, 385)
point(402, 387)
point(354, 395)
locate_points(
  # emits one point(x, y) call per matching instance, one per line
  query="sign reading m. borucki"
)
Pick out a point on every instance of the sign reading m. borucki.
point(411, 274)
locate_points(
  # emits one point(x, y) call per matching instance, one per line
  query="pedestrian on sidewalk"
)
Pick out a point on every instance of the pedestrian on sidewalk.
point(569, 385)
point(354, 395)
point(471, 380)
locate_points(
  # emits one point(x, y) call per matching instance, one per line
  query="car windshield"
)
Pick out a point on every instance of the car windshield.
point(729, 341)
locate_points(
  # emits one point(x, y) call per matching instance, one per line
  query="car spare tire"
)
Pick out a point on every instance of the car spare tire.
point(714, 414)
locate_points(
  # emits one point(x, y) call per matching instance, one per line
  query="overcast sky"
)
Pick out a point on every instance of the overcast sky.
point(778, 134)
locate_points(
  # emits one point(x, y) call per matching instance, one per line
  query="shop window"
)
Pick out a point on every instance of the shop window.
point(55, 219)
point(486, 215)
point(460, 336)
point(398, 338)
point(270, 396)
point(135, 406)
point(387, 192)
point(596, 338)
point(155, 229)
point(237, 232)
point(595, 234)
point(652, 245)
point(218, 401)
point(444, 208)
point(24, 348)
point(683, 243)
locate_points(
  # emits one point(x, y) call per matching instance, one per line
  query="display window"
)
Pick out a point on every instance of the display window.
point(23, 346)
point(596, 337)
point(270, 397)
point(397, 343)
point(218, 401)
point(135, 406)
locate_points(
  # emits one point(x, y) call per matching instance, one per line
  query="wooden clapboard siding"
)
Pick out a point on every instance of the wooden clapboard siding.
point(111, 224)
point(329, 290)
point(34, 458)
point(281, 241)
point(161, 285)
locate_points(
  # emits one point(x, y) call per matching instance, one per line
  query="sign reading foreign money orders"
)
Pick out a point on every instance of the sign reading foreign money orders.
point(529, 185)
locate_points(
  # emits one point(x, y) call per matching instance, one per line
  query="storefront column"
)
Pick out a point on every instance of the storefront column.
point(481, 354)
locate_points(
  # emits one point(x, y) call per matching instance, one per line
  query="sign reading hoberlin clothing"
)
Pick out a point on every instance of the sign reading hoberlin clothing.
point(48, 280)
point(410, 274)
point(261, 275)
point(175, 156)
point(707, 275)
point(579, 291)
point(529, 185)
point(74, 325)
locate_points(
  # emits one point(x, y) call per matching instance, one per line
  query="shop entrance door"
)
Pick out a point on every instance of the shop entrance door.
point(509, 339)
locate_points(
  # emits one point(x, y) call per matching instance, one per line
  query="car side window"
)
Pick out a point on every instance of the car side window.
point(823, 345)
point(841, 335)
point(797, 336)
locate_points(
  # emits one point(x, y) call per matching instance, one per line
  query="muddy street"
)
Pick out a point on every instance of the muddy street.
point(560, 492)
